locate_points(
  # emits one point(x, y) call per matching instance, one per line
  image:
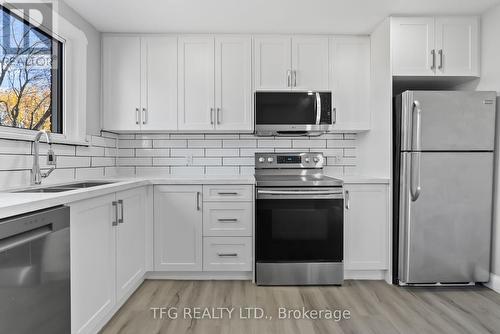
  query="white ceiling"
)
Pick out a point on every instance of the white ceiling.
point(266, 16)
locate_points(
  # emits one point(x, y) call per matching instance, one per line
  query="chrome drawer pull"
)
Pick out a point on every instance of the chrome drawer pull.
point(228, 193)
point(227, 220)
point(227, 254)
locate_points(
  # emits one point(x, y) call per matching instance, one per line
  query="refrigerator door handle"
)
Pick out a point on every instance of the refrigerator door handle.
point(417, 155)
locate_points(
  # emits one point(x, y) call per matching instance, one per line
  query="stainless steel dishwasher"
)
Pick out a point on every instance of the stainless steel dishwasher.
point(35, 272)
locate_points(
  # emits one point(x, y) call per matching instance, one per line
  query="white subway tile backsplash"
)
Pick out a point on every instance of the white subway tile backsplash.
point(225, 171)
point(222, 136)
point(152, 152)
point(133, 161)
point(58, 149)
point(103, 161)
point(184, 152)
point(204, 143)
point(72, 162)
point(240, 161)
point(89, 173)
point(121, 171)
point(186, 136)
point(170, 161)
point(207, 161)
point(126, 152)
point(169, 143)
point(14, 178)
point(152, 171)
point(132, 143)
point(229, 143)
point(334, 171)
point(187, 171)
point(15, 162)
point(221, 152)
point(247, 170)
point(14, 147)
point(284, 143)
point(152, 136)
point(90, 151)
point(103, 141)
point(305, 143)
point(250, 152)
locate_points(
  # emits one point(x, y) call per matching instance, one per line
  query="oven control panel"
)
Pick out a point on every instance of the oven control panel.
point(289, 160)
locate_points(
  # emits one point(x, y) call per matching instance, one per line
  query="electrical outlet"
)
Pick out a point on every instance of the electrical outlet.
point(189, 159)
point(51, 157)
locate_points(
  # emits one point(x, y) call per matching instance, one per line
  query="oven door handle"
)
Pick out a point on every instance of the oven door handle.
point(299, 193)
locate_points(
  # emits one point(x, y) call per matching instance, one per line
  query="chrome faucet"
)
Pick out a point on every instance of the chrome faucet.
point(36, 173)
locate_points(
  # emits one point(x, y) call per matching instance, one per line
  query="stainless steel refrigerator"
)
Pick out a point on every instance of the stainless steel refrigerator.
point(443, 186)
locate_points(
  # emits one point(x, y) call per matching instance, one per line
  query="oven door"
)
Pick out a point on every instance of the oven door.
point(299, 225)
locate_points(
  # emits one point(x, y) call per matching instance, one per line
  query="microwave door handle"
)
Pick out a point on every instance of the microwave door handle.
point(318, 108)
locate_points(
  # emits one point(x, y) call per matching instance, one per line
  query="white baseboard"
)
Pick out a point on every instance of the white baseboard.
point(494, 283)
point(200, 275)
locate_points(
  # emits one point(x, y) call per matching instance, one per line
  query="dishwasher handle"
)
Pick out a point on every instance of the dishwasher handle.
point(24, 238)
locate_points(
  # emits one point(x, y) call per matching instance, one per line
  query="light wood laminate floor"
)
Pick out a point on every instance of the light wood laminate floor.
point(375, 307)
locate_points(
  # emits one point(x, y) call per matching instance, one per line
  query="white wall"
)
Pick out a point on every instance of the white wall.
point(374, 146)
point(93, 65)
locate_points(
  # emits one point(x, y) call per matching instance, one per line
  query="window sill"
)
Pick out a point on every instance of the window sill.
point(29, 135)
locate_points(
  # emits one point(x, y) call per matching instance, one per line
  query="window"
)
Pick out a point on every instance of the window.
point(30, 77)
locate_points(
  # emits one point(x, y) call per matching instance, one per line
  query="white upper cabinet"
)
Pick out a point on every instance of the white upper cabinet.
point(196, 83)
point(233, 83)
point(350, 82)
point(159, 109)
point(273, 62)
point(291, 63)
point(435, 46)
point(121, 82)
point(310, 63)
point(413, 46)
point(139, 83)
point(457, 46)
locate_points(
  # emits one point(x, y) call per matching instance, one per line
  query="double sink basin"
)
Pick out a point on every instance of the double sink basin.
point(65, 187)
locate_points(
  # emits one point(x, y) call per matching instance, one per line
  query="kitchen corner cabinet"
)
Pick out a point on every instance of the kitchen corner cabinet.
point(139, 79)
point(178, 228)
point(350, 82)
point(291, 63)
point(107, 255)
point(435, 46)
point(366, 227)
point(215, 92)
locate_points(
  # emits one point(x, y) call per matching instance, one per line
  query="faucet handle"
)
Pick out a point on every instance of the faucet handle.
point(51, 157)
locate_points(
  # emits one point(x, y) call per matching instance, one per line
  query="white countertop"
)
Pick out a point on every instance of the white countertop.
point(12, 204)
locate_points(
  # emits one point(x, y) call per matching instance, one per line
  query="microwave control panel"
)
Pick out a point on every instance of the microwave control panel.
point(289, 160)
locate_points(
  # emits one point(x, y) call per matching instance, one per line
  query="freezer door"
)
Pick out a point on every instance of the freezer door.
point(445, 228)
point(449, 121)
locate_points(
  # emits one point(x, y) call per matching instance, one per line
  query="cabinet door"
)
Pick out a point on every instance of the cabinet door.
point(159, 107)
point(233, 83)
point(272, 56)
point(196, 83)
point(457, 46)
point(178, 228)
point(350, 82)
point(130, 240)
point(413, 44)
point(92, 262)
point(310, 63)
point(121, 80)
point(366, 226)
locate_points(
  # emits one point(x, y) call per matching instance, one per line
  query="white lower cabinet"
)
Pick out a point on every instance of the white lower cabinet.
point(178, 228)
point(107, 255)
point(366, 227)
point(227, 253)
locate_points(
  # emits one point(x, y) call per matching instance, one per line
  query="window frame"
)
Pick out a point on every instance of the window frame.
point(73, 84)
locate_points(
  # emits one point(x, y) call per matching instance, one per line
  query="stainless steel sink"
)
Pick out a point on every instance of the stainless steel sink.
point(65, 187)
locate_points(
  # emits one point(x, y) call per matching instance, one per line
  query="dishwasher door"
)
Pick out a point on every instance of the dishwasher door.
point(35, 273)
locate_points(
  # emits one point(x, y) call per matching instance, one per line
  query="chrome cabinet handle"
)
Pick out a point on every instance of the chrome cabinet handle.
point(115, 221)
point(218, 115)
point(212, 116)
point(137, 116)
point(433, 53)
point(227, 220)
point(227, 193)
point(227, 254)
point(289, 78)
point(416, 146)
point(334, 116)
point(294, 78)
point(347, 200)
point(144, 115)
point(120, 219)
point(440, 52)
point(198, 194)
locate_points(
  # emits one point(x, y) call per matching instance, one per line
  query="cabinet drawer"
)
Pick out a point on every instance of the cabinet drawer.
point(227, 254)
point(227, 193)
point(227, 219)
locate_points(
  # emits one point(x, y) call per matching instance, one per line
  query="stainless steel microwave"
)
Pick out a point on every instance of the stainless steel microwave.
point(293, 113)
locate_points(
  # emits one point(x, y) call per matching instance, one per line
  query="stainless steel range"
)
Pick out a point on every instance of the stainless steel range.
point(299, 221)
